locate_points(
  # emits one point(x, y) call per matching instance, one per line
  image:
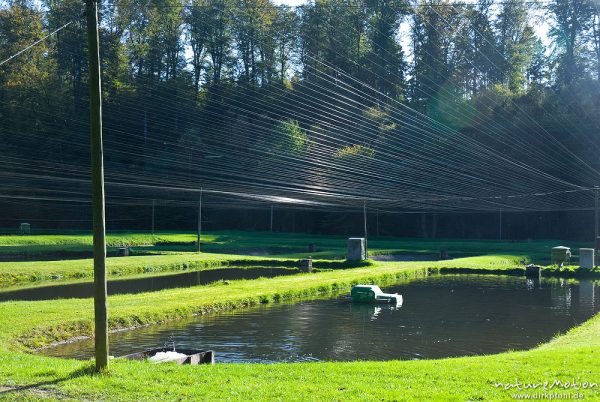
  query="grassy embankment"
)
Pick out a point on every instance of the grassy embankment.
point(29, 324)
point(21, 272)
point(171, 256)
point(285, 244)
point(39, 244)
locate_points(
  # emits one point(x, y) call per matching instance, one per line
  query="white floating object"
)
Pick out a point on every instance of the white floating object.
point(164, 357)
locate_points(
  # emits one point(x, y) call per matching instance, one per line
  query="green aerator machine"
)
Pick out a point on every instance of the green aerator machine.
point(372, 294)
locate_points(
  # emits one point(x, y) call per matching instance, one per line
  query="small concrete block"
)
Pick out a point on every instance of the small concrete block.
point(533, 271)
point(356, 249)
point(586, 258)
point(305, 265)
point(25, 228)
point(560, 254)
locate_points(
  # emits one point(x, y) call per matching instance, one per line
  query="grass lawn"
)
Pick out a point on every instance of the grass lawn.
point(169, 252)
point(29, 324)
point(84, 240)
point(282, 244)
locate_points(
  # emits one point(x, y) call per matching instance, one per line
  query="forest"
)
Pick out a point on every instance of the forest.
point(426, 106)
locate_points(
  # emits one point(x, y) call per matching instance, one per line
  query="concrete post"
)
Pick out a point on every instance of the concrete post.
point(356, 249)
point(586, 258)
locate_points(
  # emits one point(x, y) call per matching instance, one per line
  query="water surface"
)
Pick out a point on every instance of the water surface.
point(442, 316)
point(144, 284)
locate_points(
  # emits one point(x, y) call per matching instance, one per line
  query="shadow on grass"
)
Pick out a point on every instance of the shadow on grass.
point(85, 370)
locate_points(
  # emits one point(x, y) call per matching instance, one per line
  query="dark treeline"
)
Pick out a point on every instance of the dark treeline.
point(192, 86)
point(569, 225)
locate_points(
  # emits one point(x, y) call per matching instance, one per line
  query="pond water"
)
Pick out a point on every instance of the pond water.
point(145, 284)
point(405, 257)
point(12, 253)
point(442, 316)
point(43, 256)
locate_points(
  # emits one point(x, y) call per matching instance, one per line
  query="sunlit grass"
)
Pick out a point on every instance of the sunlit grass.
point(170, 252)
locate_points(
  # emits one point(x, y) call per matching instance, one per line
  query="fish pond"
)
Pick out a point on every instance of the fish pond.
point(442, 316)
point(143, 284)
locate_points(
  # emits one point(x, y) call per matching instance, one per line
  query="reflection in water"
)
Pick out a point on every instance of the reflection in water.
point(533, 283)
point(370, 312)
point(442, 316)
point(586, 294)
point(561, 295)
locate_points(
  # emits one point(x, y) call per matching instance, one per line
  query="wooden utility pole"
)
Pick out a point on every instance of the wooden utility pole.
point(199, 218)
point(99, 225)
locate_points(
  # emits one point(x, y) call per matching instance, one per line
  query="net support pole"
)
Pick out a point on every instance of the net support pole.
point(365, 223)
point(596, 190)
point(153, 206)
point(98, 204)
point(199, 219)
point(500, 225)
